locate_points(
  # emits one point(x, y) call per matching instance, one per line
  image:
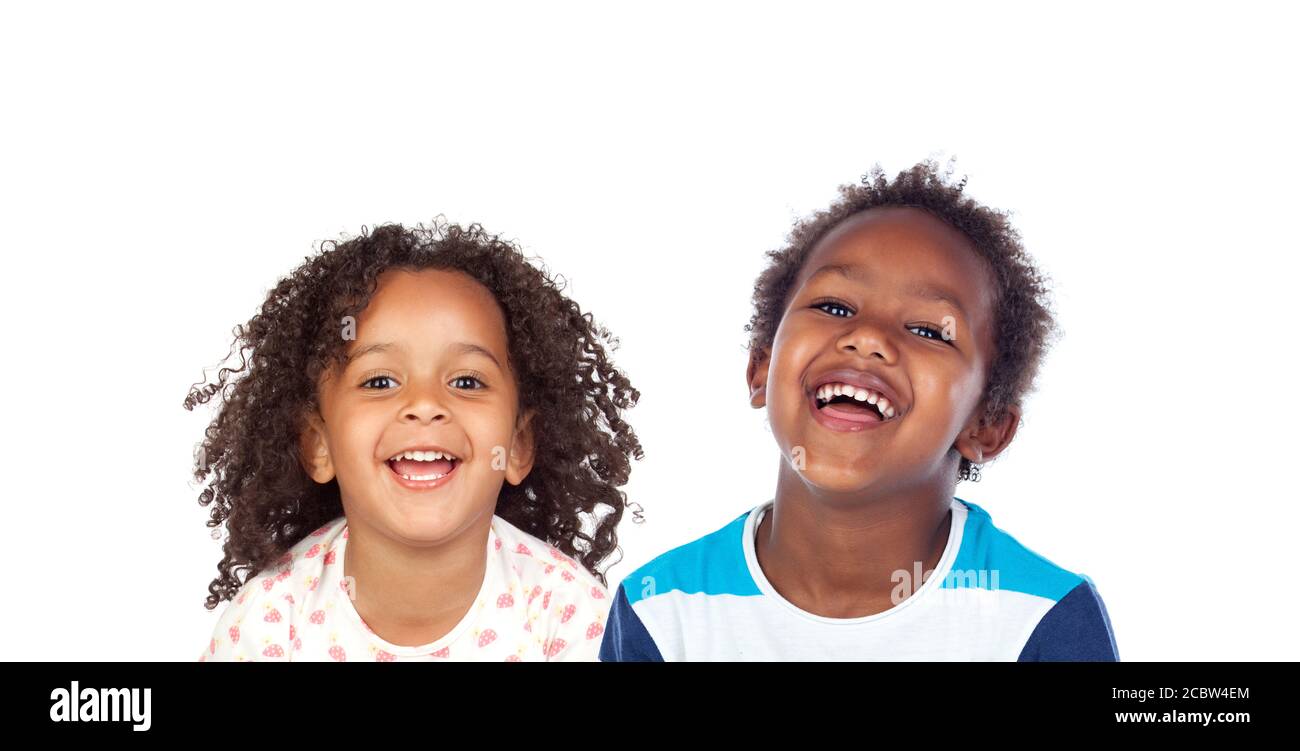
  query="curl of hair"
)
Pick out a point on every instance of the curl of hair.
point(1024, 325)
point(251, 474)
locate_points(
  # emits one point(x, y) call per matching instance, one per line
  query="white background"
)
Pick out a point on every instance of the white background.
point(164, 164)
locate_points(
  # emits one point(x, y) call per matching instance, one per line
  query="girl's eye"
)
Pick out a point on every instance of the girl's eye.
point(834, 308)
point(372, 383)
point(466, 382)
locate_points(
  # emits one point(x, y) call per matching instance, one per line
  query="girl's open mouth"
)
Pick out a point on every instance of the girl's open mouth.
point(421, 470)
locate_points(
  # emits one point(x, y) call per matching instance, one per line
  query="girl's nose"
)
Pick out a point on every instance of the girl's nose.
point(425, 407)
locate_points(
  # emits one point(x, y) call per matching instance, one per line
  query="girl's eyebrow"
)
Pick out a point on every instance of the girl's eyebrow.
point(469, 348)
point(460, 348)
point(916, 289)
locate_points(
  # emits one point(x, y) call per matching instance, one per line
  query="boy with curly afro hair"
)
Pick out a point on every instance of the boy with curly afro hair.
point(892, 344)
point(417, 457)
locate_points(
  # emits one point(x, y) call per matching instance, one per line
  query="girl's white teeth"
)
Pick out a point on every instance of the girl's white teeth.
point(832, 390)
point(423, 456)
point(420, 478)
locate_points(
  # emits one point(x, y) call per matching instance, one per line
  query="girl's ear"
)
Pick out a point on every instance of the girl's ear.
point(756, 378)
point(522, 450)
point(313, 450)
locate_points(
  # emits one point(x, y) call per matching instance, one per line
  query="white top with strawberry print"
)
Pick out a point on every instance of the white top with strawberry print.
point(535, 604)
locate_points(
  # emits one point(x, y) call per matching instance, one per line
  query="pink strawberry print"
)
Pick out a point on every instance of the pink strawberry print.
point(297, 644)
point(267, 583)
point(546, 601)
point(212, 646)
point(513, 658)
point(506, 600)
point(569, 610)
point(272, 616)
point(293, 633)
point(273, 651)
point(444, 652)
point(521, 548)
point(555, 647)
point(338, 654)
point(318, 617)
point(549, 568)
point(234, 634)
point(313, 552)
point(594, 630)
point(565, 575)
point(487, 637)
point(497, 545)
point(314, 581)
point(385, 656)
point(289, 598)
point(597, 593)
point(321, 531)
point(537, 590)
point(329, 558)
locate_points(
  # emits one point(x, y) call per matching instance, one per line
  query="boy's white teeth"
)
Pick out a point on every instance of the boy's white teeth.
point(423, 456)
point(831, 390)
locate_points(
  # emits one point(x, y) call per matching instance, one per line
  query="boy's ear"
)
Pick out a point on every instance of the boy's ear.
point(313, 449)
point(981, 441)
point(522, 450)
point(756, 378)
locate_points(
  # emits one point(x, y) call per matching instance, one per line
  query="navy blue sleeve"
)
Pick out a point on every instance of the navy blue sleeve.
point(626, 638)
point(1076, 629)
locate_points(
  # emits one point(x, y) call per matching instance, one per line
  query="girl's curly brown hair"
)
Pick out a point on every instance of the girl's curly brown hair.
point(1023, 323)
point(251, 472)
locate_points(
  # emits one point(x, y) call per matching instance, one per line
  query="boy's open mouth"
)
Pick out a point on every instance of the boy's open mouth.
point(845, 401)
point(423, 466)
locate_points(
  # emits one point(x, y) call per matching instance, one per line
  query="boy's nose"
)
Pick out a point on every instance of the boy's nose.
point(866, 339)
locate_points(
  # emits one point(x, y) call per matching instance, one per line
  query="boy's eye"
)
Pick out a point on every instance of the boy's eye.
point(466, 382)
point(834, 308)
point(938, 333)
point(844, 311)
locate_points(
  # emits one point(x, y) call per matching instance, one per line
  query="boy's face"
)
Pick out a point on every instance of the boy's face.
point(428, 372)
point(855, 317)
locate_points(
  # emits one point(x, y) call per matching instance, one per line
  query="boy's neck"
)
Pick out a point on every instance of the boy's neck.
point(840, 557)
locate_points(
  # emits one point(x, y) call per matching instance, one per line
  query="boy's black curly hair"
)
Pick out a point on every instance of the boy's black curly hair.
point(251, 470)
point(1023, 323)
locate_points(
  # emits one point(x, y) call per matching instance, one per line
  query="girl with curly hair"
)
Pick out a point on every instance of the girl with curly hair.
point(417, 457)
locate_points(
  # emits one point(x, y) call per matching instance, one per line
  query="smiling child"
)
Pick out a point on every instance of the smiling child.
point(420, 460)
point(892, 344)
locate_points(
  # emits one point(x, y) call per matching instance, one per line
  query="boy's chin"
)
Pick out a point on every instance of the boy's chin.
point(834, 481)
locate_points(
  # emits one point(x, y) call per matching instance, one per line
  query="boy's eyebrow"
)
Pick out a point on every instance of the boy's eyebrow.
point(461, 348)
point(916, 289)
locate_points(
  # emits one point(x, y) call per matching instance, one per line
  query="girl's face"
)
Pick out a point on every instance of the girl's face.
point(858, 315)
point(427, 373)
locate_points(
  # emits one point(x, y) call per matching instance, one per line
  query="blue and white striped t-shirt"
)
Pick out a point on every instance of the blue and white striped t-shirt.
point(989, 598)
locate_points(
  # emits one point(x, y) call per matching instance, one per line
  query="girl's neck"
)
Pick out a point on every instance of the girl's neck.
point(841, 557)
point(412, 596)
